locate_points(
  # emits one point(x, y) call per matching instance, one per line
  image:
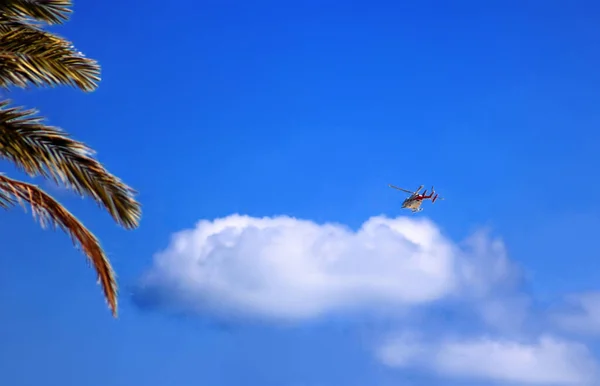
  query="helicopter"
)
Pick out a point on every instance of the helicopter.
point(414, 201)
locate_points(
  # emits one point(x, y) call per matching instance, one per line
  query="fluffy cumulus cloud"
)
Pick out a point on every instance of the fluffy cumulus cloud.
point(286, 269)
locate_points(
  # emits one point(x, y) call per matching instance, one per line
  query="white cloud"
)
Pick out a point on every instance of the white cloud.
point(582, 314)
point(547, 361)
point(286, 269)
point(289, 269)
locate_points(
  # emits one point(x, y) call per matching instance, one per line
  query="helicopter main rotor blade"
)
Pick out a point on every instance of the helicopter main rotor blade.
point(404, 190)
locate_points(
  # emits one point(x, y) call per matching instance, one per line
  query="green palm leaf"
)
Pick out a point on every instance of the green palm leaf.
point(30, 56)
point(44, 150)
point(49, 11)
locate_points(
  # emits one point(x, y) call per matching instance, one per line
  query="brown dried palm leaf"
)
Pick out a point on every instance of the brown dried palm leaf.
point(48, 11)
point(49, 152)
point(31, 56)
point(51, 212)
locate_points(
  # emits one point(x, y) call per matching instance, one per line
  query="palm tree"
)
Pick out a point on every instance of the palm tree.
point(31, 56)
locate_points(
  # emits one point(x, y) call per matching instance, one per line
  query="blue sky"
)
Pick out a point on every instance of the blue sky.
point(309, 109)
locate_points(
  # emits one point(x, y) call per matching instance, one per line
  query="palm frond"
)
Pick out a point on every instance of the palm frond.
point(50, 212)
point(48, 11)
point(49, 152)
point(32, 56)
